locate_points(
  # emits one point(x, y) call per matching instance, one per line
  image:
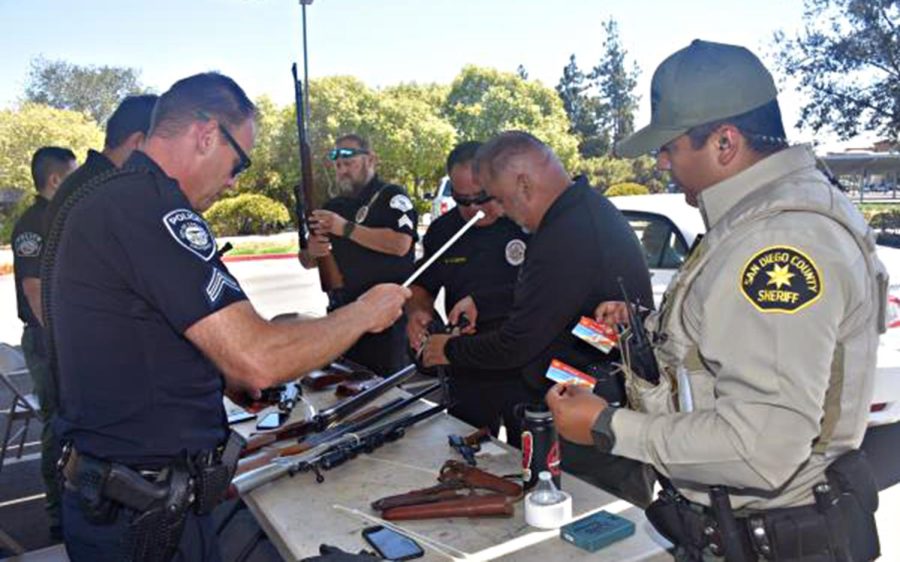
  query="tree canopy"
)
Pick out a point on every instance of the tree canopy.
point(95, 90)
point(32, 126)
point(847, 64)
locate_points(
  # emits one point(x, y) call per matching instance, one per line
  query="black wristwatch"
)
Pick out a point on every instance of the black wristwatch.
point(348, 229)
point(604, 438)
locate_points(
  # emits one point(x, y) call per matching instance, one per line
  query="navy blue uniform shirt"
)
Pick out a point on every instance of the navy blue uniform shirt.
point(574, 259)
point(27, 245)
point(95, 164)
point(137, 267)
point(483, 264)
point(361, 267)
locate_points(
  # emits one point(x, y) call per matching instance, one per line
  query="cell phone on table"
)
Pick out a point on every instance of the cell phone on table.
point(273, 420)
point(240, 416)
point(392, 545)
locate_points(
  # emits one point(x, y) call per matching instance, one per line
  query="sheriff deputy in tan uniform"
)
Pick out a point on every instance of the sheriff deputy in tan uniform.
point(771, 327)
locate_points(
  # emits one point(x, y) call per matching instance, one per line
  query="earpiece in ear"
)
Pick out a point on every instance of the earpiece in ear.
point(723, 143)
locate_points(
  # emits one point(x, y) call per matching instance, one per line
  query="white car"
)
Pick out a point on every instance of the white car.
point(667, 228)
point(442, 199)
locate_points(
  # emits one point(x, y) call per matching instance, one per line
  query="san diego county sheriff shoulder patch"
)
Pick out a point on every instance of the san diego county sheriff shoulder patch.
point(781, 279)
point(191, 231)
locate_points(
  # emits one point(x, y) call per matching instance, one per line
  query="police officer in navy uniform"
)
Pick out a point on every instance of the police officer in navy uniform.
point(370, 228)
point(478, 274)
point(126, 129)
point(150, 330)
point(580, 247)
point(49, 167)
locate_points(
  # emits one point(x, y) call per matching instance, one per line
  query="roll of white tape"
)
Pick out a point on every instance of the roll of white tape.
point(550, 516)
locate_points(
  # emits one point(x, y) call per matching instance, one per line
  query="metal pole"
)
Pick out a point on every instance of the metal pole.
point(303, 4)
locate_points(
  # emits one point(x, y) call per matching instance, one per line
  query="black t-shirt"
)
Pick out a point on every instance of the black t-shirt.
point(390, 208)
point(27, 245)
point(95, 164)
point(136, 267)
point(483, 264)
point(581, 248)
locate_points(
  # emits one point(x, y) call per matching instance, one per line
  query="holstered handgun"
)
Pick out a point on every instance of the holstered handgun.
point(489, 505)
point(477, 478)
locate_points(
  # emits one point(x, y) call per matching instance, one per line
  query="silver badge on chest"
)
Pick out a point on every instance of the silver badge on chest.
point(361, 214)
point(515, 252)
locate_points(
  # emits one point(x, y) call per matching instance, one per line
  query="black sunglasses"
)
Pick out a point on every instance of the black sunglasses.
point(243, 160)
point(477, 199)
point(336, 153)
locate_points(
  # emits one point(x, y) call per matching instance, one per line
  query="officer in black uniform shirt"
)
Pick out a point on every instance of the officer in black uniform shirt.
point(126, 129)
point(149, 330)
point(478, 274)
point(370, 227)
point(49, 167)
point(580, 247)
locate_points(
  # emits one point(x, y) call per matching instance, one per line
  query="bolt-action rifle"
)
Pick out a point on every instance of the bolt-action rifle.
point(330, 277)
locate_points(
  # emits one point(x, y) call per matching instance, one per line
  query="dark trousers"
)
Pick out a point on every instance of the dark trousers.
point(46, 391)
point(488, 402)
point(87, 542)
point(384, 352)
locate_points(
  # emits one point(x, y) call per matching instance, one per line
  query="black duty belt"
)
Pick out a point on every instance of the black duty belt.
point(206, 477)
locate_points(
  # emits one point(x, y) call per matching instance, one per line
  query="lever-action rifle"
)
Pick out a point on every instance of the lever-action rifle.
point(330, 277)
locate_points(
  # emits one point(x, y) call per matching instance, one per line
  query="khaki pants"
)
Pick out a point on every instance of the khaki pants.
point(45, 389)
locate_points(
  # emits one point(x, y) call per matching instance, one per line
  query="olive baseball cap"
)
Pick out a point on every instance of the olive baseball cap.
point(701, 83)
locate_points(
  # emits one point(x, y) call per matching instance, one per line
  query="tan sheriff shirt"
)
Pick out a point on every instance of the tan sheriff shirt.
point(783, 295)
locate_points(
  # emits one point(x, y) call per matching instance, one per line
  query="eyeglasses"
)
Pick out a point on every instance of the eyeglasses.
point(243, 160)
point(336, 153)
point(477, 199)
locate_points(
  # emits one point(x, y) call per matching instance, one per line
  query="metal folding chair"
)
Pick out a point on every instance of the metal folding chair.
point(23, 407)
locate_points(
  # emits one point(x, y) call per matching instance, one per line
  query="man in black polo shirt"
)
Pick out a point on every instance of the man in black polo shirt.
point(150, 330)
point(478, 274)
point(370, 227)
point(125, 132)
point(49, 167)
point(580, 247)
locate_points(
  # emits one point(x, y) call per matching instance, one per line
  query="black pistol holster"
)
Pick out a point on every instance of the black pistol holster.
point(158, 500)
point(839, 527)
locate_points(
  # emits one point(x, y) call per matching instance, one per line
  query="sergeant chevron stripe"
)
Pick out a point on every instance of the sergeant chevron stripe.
point(217, 284)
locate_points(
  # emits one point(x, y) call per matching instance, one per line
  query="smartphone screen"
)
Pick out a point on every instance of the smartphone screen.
point(273, 420)
point(240, 416)
point(392, 545)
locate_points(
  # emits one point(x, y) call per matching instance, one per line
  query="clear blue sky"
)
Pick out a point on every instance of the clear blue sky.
point(380, 41)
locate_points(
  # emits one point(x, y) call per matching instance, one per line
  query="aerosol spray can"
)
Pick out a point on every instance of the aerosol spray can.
point(540, 445)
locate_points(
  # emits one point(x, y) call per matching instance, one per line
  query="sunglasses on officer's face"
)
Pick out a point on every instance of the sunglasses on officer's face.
point(478, 199)
point(243, 160)
point(336, 153)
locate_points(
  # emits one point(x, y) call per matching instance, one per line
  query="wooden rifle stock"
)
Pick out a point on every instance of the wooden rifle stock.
point(330, 277)
point(492, 505)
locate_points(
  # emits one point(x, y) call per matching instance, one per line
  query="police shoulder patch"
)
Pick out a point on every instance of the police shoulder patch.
point(401, 203)
point(191, 231)
point(781, 279)
point(28, 245)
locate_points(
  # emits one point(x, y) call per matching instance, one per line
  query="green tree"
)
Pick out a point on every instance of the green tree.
point(414, 138)
point(847, 62)
point(615, 84)
point(608, 170)
point(584, 109)
point(483, 102)
point(31, 126)
point(96, 90)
